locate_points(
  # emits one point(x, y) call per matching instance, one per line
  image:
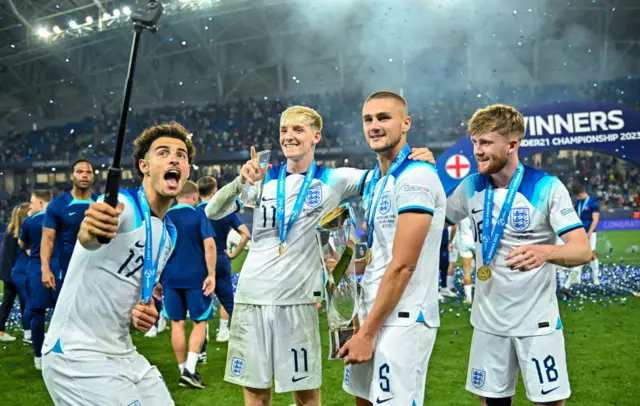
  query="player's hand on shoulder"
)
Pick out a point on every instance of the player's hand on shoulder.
point(422, 154)
point(101, 220)
point(528, 257)
point(144, 316)
point(251, 172)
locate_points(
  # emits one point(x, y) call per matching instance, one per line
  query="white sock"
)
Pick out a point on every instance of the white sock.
point(27, 334)
point(181, 366)
point(595, 268)
point(192, 361)
point(467, 291)
point(224, 324)
point(450, 281)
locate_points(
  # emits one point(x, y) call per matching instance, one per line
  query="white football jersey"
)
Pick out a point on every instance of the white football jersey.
point(412, 187)
point(103, 286)
point(268, 278)
point(515, 303)
point(464, 235)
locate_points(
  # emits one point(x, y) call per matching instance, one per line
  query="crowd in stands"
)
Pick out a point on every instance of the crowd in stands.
point(438, 115)
point(613, 181)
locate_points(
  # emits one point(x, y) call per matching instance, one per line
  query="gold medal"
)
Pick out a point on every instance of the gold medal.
point(367, 256)
point(484, 273)
point(281, 249)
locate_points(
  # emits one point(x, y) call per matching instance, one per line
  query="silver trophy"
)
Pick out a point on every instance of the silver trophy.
point(336, 236)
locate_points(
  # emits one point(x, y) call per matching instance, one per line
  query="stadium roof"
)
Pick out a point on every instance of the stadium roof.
point(55, 65)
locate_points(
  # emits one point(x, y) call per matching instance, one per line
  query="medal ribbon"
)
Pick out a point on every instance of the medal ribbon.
point(491, 240)
point(150, 269)
point(370, 191)
point(297, 207)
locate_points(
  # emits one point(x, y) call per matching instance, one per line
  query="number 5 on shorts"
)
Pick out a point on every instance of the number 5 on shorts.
point(385, 386)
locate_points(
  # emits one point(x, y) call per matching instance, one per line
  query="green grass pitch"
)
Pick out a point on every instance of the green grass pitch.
point(602, 347)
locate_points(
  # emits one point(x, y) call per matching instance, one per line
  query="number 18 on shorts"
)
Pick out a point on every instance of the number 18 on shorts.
point(495, 361)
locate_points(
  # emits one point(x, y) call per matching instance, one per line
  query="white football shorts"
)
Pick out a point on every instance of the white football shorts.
point(105, 381)
point(495, 361)
point(281, 342)
point(398, 369)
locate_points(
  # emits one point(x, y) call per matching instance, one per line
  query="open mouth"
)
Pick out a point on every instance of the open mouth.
point(290, 145)
point(172, 177)
point(376, 137)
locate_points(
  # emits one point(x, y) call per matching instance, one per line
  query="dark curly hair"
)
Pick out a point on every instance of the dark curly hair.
point(142, 144)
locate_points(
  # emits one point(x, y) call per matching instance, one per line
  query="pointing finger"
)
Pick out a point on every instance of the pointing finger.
point(253, 152)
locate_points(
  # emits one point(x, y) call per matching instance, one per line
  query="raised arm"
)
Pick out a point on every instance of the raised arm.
point(100, 219)
point(224, 201)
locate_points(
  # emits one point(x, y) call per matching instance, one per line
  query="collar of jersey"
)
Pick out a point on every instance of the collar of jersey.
point(78, 201)
point(182, 206)
point(40, 213)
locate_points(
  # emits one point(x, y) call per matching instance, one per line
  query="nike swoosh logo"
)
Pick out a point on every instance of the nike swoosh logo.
point(546, 392)
point(294, 379)
point(378, 401)
point(264, 199)
point(71, 214)
point(139, 244)
point(474, 211)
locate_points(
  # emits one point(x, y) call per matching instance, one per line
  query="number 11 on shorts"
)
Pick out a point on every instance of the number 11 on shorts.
point(296, 364)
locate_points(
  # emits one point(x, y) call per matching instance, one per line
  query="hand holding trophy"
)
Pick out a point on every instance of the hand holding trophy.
point(337, 240)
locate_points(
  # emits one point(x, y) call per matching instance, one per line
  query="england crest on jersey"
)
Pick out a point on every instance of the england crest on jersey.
point(237, 366)
point(314, 197)
point(477, 378)
point(385, 204)
point(520, 219)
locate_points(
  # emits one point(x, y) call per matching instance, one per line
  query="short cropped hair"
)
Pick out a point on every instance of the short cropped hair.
point(206, 184)
point(79, 161)
point(579, 189)
point(44, 195)
point(142, 144)
point(305, 115)
point(189, 188)
point(500, 118)
point(387, 94)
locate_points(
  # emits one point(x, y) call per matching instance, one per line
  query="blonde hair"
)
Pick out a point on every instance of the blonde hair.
point(387, 94)
point(18, 215)
point(500, 118)
point(188, 189)
point(302, 114)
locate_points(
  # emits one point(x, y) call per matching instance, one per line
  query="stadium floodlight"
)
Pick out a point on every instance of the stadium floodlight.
point(73, 24)
point(56, 29)
point(126, 10)
point(116, 13)
point(89, 20)
point(43, 32)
